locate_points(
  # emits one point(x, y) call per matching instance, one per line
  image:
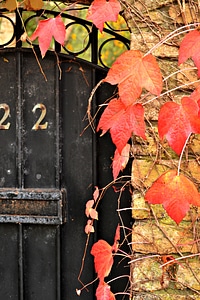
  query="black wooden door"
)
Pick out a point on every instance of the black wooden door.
point(47, 172)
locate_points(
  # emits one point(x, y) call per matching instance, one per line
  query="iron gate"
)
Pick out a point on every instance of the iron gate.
point(47, 172)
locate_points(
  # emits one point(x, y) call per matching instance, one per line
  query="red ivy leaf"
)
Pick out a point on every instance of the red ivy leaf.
point(196, 97)
point(132, 71)
point(103, 258)
point(101, 11)
point(120, 160)
point(89, 211)
point(189, 47)
point(176, 122)
point(93, 214)
point(89, 227)
point(46, 29)
point(116, 239)
point(103, 292)
point(96, 193)
point(175, 193)
point(89, 205)
point(122, 122)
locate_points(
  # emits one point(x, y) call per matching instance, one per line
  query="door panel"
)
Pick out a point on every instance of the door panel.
point(40, 145)
point(8, 148)
point(52, 174)
point(41, 265)
point(77, 174)
point(9, 285)
point(47, 173)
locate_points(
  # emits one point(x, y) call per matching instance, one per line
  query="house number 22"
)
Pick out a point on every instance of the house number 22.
point(37, 126)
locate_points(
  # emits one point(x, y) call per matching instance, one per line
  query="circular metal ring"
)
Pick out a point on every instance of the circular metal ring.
point(33, 16)
point(88, 35)
point(14, 29)
point(103, 45)
point(30, 18)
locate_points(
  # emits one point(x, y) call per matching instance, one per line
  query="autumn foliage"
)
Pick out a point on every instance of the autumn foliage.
point(136, 75)
point(124, 116)
point(101, 11)
point(103, 261)
point(175, 192)
point(46, 29)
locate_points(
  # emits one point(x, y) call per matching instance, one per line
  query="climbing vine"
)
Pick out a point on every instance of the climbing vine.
point(140, 83)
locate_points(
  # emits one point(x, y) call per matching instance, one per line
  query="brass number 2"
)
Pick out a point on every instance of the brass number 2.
point(38, 125)
point(6, 114)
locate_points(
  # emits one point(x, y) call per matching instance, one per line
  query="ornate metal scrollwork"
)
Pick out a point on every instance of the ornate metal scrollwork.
point(89, 40)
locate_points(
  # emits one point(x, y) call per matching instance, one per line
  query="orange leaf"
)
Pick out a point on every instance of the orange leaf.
point(101, 11)
point(10, 5)
point(189, 47)
point(93, 214)
point(89, 227)
point(132, 71)
point(103, 258)
point(103, 292)
point(89, 211)
point(96, 193)
point(46, 29)
point(196, 94)
point(176, 122)
point(122, 122)
point(120, 160)
point(33, 4)
point(116, 239)
point(103, 255)
point(175, 193)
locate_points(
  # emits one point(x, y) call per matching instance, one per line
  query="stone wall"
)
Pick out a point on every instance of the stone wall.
point(156, 239)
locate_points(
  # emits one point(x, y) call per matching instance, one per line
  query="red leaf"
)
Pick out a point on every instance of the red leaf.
point(101, 11)
point(176, 122)
point(175, 193)
point(89, 227)
point(196, 97)
point(103, 258)
point(196, 94)
point(132, 71)
point(189, 47)
point(96, 193)
point(89, 211)
point(111, 115)
point(122, 122)
point(120, 160)
point(116, 239)
point(89, 204)
point(46, 29)
point(103, 292)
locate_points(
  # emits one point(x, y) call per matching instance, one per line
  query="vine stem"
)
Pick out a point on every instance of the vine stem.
point(172, 35)
point(143, 257)
point(31, 44)
point(180, 158)
point(116, 278)
point(83, 261)
point(90, 118)
point(172, 90)
point(180, 258)
point(103, 190)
